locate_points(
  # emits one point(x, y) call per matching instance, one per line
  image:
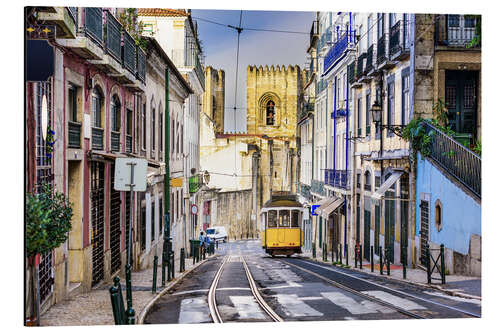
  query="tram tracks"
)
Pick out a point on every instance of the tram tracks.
point(212, 301)
point(378, 300)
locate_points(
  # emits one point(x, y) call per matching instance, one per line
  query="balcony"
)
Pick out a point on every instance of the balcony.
point(383, 61)
point(351, 70)
point(93, 24)
point(141, 65)
point(459, 161)
point(399, 40)
point(313, 35)
point(318, 187)
point(129, 53)
point(65, 18)
point(321, 86)
point(97, 138)
point(369, 61)
point(74, 134)
point(115, 141)
point(128, 143)
point(306, 108)
point(325, 38)
point(336, 51)
point(455, 31)
point(359, 66)
point(305, 190)
point(113, 36)
point(337, 178)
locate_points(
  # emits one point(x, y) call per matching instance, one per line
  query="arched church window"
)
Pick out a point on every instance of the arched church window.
point(270, 113)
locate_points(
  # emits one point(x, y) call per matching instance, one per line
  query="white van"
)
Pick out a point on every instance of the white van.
point(217, 234)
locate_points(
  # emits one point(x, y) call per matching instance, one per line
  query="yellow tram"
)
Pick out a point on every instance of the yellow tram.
point(281, 225)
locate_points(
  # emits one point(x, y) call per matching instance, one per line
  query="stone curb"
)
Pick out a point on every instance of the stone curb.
point(425, 285)
point(147, 307)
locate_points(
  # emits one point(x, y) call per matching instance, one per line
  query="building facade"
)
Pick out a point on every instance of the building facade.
point(92, 99)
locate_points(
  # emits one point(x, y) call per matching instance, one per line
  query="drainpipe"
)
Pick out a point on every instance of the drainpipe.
point(166, 178)
point(334, 120)
point(346, 154)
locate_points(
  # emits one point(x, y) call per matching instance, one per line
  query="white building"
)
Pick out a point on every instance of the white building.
point(177, 34)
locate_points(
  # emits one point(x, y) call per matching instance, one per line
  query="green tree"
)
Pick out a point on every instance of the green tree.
point(48, 222)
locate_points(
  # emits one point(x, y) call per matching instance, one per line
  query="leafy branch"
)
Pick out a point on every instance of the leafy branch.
point(130, 22)
point(48, 220)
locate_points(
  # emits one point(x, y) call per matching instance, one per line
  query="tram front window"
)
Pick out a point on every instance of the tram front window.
point(295, 219)
point(271, 219)
point(284, 220)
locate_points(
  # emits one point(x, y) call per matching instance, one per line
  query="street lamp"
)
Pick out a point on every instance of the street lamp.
point(376, 111)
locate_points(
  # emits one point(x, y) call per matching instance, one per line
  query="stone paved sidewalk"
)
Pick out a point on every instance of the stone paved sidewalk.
point(94, 307)
point(456, 285)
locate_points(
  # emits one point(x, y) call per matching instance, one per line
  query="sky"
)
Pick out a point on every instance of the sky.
point(256, 48)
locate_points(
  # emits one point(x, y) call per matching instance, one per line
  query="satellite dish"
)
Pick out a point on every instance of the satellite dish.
point(45, 117)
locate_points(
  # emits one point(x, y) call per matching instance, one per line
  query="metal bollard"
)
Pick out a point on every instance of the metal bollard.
point(387, 260)
point(182, 259)
point(340, 254)
point(128, 279)
point(346, 254)
point(371, 258)
point(314, 250)
point(118, 287)
point(130, 316)
point(380, 260)
point(443, 268)
point(428, 253)
point(404, 262)
point(356, 255)
point(173, 264)
point(113, 293)
point(360, 257)
point(155, 273)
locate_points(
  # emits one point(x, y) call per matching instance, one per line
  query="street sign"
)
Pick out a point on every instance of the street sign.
point(194, 209)
point(313, 210)
point(176, 182)
point(123, 174)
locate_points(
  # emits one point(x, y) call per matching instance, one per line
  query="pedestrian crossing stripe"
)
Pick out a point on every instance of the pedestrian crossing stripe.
point(293, 306)
point(247, 307)
point(194, 310)
point(353, 306)
point(400, 302)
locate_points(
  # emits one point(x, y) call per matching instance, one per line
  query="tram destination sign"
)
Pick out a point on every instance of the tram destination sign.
point(127, 169)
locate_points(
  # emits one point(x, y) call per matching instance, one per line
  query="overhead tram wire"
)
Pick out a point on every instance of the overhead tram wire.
point(236, 86)
point(253, 29)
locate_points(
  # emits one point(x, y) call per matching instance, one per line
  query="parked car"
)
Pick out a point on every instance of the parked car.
point(217, 234)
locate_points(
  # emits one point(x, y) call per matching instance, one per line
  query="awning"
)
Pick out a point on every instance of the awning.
point(326, 203)
point(322, 201)
point(332, 207)
point(385, 186)
point(314, 207)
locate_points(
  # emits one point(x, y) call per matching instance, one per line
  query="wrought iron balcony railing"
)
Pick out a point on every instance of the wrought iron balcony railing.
point(318, 187)
point(455, 158)
point(115, 141)
point(361, 60)
point(351, 69)
point(97, 138)
point(129, 52)
point(113, 36)
point(369, 60)
point(128, 143)
point(141, 65)
point(198, 69)
point(382, 48)
point(74, 134)
point(336, 51)
point(338, 178)
point(455, 30)
point(93, 24)
point(314, 32)
point(73, 13)
point(305, 190)
point(399, 39)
